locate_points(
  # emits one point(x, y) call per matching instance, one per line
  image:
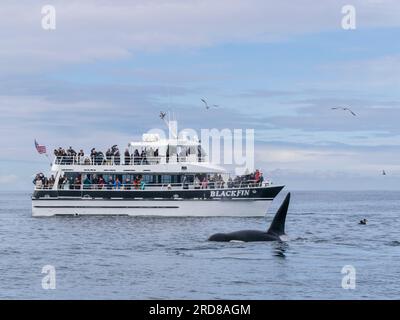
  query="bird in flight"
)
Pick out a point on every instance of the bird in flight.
point(345, 109)
point(207, 106)
point(162, 115)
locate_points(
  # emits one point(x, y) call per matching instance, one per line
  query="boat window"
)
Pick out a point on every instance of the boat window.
point(170, 179)
point(165, 179)
point(147, 178)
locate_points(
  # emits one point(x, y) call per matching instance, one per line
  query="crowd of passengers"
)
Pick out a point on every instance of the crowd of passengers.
point(42, 182)
point(98, 182)
point(216, 181)
point(111, 156)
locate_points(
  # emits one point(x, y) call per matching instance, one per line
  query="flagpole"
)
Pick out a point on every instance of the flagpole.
point(48, 158)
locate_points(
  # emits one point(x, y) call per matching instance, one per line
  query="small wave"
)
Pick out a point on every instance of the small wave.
point(238, 258)
point(300, 239)
point(183, 254)
point(394, 243)
point(240, 282)
point(320, 240)
point(9, 252)
point(197, 248)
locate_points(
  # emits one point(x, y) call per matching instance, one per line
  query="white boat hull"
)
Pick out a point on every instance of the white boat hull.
point(172, 208)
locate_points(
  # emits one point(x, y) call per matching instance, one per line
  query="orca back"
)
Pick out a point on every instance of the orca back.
point(274, 233)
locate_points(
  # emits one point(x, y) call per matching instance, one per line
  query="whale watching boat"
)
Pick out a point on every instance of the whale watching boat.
point(154, 177)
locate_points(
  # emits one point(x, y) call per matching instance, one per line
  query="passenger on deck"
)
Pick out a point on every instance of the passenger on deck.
point(197, 182)
point(51, 181)
point(39, 181)
point(95, 181)
point(211, 183)
point(257, 177)
point(108, 156)
point(143, 157)
point(117, 184)
point(136, 157)
point(99, 158)
point(61, 182)
point(261, 179)
point(136, 182)
point(156, 159)
point(221, 182)
point(127, 184)
point(101, 183)
point(87, 184)
point(70, 183)
point(230, 183)
point(116, 154)
point(66, 184)
point(71, 151)
point(39, 184)
point(71, 154)
point(204, 183)
point(199, 154)
point(61, 154)
point(77, 183)
point(81, 154)
point(127, 157)
point(110, 183)
point(93, 155)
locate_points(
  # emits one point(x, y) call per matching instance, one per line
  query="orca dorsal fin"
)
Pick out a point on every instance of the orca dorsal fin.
point(277, 226)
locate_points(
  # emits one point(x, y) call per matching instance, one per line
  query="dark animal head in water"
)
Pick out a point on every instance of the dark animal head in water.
point(276, 231)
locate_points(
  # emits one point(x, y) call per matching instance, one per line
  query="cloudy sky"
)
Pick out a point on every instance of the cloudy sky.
point(102, 76)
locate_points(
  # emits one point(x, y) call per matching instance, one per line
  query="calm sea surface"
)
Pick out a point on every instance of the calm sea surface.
point(169, 258)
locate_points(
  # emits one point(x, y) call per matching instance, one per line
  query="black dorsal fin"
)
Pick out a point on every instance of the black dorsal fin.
point(277, 226)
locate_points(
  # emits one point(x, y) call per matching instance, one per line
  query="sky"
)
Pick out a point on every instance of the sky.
point(102, 76)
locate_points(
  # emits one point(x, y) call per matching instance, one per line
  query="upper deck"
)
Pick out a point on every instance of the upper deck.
point(150, 155)
point(160, 164)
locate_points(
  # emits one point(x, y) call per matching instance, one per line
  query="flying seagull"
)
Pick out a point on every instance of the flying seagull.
point(162, 115)
point(207, 106)
point(345, 109)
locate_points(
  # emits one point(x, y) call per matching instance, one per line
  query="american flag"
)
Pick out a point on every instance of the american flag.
point(39, 148)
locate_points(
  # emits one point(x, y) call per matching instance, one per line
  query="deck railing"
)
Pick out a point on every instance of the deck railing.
point(125, 160)
point(158, 186)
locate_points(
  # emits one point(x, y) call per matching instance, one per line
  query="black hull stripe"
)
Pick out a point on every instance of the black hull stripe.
point(130, 199)
point(223, 194)
point(108, 207)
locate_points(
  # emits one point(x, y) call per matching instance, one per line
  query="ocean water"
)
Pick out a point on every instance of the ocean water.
point(170, 258)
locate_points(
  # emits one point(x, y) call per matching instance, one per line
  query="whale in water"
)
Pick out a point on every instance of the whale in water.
point(276, 231)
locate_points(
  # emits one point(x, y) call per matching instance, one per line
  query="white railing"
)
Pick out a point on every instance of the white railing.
point(122, 160)
point(158, 186)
